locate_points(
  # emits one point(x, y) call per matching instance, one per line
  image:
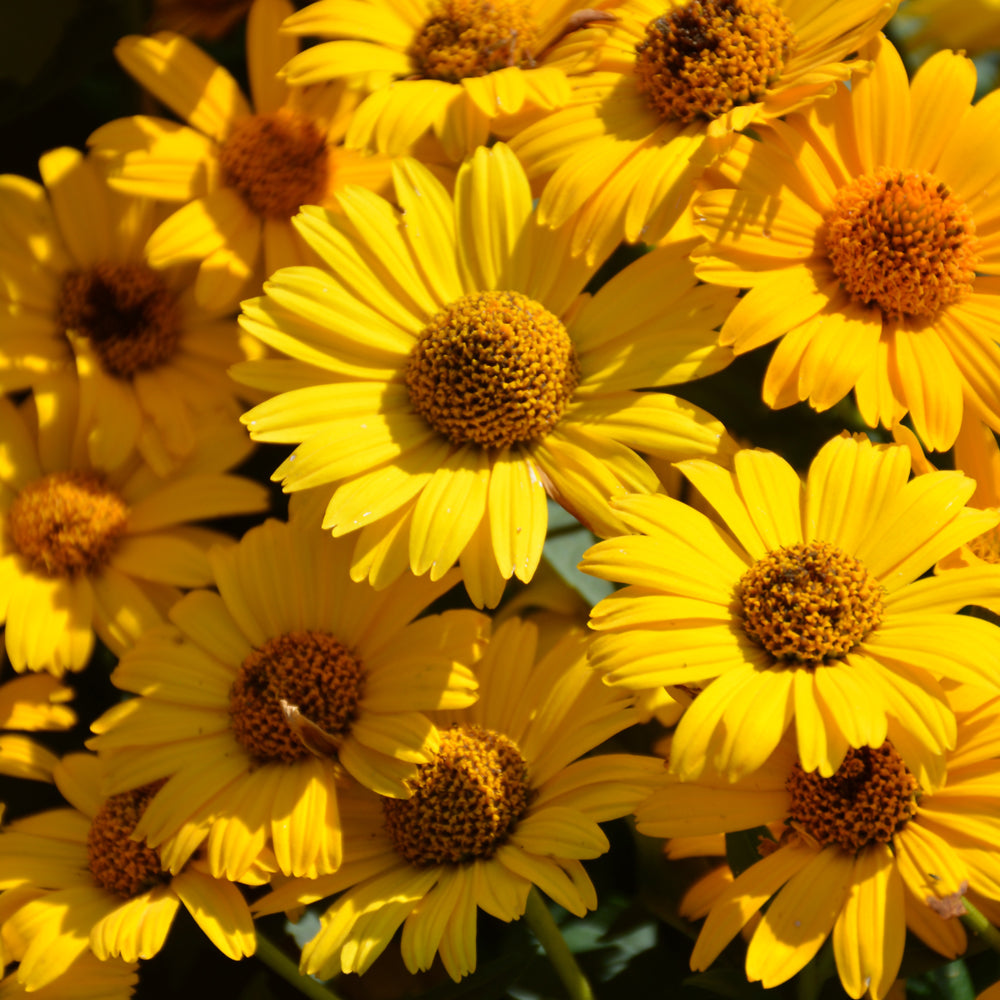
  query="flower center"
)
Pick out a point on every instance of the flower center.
point(126, 311)
point(466, 38)
point(310, 671)
point(494, 368)
point(702, 59)
point(67, 523)
point(809, 602)
point(868, 799)
point(901, 241)
point(277, 162)
point(465, 802)
point(120, 864)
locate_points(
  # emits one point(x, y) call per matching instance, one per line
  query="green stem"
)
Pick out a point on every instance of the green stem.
point(549, 937)
point(979, 925)
point(278, 962)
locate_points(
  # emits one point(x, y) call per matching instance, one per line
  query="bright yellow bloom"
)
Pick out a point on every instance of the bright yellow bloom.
point(87, 978)
point(100, 890)
point(802, 607)
point(241, 171)
point(865, 853)
point(673, 83)
point(868, 233)
point(32, 703)
point(86, 548)
point(263, 696)
point(449, 374)
point(506, 804)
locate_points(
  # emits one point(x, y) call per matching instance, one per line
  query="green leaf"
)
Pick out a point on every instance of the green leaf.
point(567, 541)
point(949, 982)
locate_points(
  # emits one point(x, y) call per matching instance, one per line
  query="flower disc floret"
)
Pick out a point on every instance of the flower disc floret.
point(67, 524)
point(465, 802)
point(867, 800)
point(494, 369)
point(901, 241)
point(809, 602)
point(309, 671)
point(468, 38)
point(703, 59)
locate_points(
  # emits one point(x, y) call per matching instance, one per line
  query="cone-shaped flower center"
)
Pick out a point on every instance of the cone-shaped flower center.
point(901, 241)
point(120, 864)
point(277, 162)
point(868, 799)
point(310, 672)
point(126, 311)
point(703, 59)
point(465, 38)
point(67, 523)
point(494, 369)
point(809, 602)
point(465, 802)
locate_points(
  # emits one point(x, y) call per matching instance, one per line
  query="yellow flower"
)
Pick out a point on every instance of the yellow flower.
point(974, 27)
point(85, 548)
point(262, 696)
point(673, 83)
point(241, 171)
point(504, 805)
point(100, 890)
point(802, 607)
point(33, 703)
point(865, 853)
point(866, 232)
point(88, 977)
point(448, 374)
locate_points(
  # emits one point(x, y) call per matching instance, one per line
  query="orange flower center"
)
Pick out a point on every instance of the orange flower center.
point(494, 369)
point(465, 38)
point(465, 802)
point(703, 59)
point(277, 162)
point(309, 676)
point(120, 864)
point(67, 523)
point(126, 311)
point(807, 603)
point(901, 241)
point(867, 800)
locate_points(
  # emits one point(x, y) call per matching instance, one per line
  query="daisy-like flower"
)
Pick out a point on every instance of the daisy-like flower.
point(868, 234)
point(865, 853)
point(86, 979)
point(241, 170)
point(90, 887)
point(802, 607)
point(504, 805)
point(264, 695)
point(85, 549)
point(448, 373)
point(34, 703)
point(673, 82)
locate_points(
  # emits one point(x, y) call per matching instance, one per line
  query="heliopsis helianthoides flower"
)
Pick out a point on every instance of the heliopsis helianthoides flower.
point(77, 289)
point(84, 549)
point(504, 805)
point(448, 374)
point(34, 703)
point(266, 695)
point(241, 171)
point(868, 234)
point(88, 978)
point(802, 607)
point(865, 853)
point(88, 886)
point(673, 83)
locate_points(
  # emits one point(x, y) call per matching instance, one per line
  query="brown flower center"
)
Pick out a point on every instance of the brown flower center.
point(465, 38)
point(901, 241)
point(126, 311)
point(277, 162)
point(703, 59)
point(67, 523)
point(809, 602)
point(868, 799)
point(120, 864)
point(494, 368)
point(310, 671)
point(465, 802)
